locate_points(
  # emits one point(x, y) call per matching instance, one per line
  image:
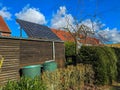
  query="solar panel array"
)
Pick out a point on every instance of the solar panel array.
point(37, 31)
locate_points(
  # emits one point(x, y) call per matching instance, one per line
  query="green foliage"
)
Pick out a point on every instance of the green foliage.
point(25, 84)
point(69, 48)
point(70, 78)
point(103, 60)
point(117, 52)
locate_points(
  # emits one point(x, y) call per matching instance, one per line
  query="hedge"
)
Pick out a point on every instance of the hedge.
point(70, 53)
point(117, 52)
point(103, 60)
point(69, 49)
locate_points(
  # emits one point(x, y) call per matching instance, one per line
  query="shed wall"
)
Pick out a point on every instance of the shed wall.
point(21, 52)
point(9, 50)
point(34, 52)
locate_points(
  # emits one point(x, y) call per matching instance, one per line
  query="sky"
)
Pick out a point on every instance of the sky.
point(104, 15)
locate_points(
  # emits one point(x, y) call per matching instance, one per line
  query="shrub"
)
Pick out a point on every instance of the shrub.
point(103, 60)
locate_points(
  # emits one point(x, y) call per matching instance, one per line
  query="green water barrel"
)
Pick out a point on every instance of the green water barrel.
point(49, 66)
point(31, 71)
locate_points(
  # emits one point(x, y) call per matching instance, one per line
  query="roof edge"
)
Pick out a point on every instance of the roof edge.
point(30, 39)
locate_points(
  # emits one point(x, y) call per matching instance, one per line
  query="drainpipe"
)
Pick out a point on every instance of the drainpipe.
point(53, 50)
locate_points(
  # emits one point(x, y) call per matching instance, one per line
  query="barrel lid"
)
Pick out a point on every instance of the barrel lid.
point(49, 61)
point(32, 66)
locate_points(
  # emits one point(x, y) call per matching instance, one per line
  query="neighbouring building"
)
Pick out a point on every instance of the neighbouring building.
point(66, 36)
point(4, 29)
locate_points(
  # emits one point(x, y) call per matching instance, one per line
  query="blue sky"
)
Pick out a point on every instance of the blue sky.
point(52, 13)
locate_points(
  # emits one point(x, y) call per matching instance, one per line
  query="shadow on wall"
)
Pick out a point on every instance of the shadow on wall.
point(20, 72)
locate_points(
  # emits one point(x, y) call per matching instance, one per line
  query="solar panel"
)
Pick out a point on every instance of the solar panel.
point(36, 30)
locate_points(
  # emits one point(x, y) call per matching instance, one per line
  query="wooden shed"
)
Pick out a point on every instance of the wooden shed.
point(40, 46)
point(17, 53)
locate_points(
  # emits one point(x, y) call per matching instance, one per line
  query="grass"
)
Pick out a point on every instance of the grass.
point(113, 45)
point(115, 86)
point(25, 84)
point(72, 78)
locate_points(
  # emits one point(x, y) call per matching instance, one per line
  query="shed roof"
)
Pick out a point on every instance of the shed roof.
point(3, 26)
point(37, 31)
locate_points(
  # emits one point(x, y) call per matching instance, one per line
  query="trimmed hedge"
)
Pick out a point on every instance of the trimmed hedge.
point(70, 53)
point(117, 52)
point(103, 60)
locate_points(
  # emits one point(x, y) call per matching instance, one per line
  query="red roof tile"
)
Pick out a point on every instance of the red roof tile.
point(63, 35)
point(66, 36)
point(3, 26)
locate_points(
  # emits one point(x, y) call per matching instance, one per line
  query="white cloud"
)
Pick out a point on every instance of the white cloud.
point(5, 13)
point(32, 15)
point(106, 34)
point(110, 35)
point(60, 19)
point(95, 25)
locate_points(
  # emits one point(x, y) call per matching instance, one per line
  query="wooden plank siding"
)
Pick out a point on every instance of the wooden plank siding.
point(60, 54)
point(21, 52)
point(9, 50)
point(35, 52)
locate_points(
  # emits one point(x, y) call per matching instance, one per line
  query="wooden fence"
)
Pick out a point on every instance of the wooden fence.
point(17, 53)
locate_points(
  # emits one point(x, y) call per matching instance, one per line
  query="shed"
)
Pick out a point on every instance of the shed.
point(20, 52)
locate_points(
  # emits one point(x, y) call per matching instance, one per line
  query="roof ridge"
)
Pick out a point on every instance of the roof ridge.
point(31, 22)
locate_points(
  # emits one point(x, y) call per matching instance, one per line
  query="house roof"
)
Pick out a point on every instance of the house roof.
point(90, 40)
point(3, 26)
point(66, 36)
point(37, 31)
point(63, 35)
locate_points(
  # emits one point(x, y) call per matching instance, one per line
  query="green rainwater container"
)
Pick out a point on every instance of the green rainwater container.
point(31, 71)
point(49, 66)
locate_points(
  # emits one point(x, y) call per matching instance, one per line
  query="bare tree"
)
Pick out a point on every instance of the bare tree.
point(78, 31)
